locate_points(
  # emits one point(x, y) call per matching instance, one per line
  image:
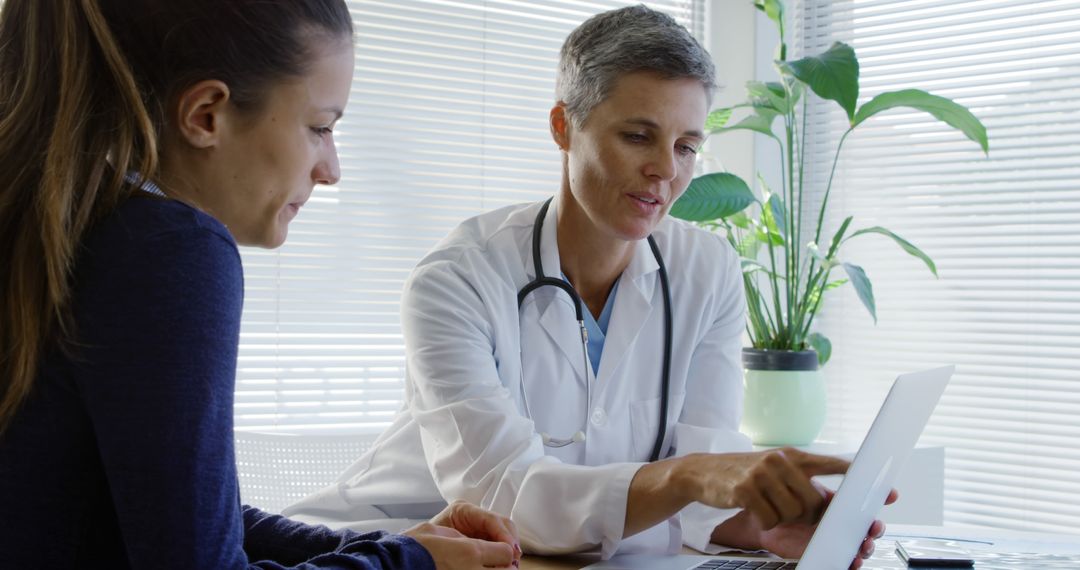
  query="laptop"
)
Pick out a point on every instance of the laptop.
point(861, 495)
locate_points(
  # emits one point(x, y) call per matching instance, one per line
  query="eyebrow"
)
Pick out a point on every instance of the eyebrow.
point(336, 111)
point(652, 125)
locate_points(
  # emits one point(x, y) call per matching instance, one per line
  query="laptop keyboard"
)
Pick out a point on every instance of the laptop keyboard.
point(719, 564)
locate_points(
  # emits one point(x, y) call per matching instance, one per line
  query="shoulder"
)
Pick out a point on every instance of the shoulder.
point(165, 232)
point(485, 246)
point(694, 248)
point(176, 250)
point(139, 220)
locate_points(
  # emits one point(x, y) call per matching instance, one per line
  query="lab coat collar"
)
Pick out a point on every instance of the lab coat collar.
point(556, 309)
point(633, 306)
point(549, 244)
point(633, 302)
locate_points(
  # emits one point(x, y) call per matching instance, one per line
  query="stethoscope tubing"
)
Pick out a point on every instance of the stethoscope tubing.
point(541, 280)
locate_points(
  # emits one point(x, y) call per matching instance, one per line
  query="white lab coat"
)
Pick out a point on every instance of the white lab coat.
point(463, 432)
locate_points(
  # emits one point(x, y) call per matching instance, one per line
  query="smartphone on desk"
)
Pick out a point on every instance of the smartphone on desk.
point(925, 553)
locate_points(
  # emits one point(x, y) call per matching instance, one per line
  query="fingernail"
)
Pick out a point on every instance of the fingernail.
point(517, 549)
point(517, 564)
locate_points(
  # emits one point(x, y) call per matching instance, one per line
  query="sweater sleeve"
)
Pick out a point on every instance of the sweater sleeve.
point(158, 321)
point(273, 541)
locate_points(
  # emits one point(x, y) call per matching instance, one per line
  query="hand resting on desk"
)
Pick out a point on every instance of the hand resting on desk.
point(466, 537)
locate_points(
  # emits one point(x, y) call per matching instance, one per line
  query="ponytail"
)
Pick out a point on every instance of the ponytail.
point(72, 123)
point(84, 88)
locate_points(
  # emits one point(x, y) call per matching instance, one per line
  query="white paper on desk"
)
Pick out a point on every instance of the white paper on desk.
point(988, 540)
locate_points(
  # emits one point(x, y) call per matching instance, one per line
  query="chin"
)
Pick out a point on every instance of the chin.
point(277, 239)
point(271, 238)
point(635, 231)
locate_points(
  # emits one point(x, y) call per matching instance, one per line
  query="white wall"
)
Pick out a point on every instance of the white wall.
point(742, 42)
point(730, 38)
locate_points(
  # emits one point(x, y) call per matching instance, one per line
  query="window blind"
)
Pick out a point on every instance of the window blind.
point(447, 118)
point(1004, 231)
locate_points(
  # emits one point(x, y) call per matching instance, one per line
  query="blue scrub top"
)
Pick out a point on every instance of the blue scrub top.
point(597, 328)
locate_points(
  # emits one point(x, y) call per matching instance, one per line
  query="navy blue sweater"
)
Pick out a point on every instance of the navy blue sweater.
point(122, 457)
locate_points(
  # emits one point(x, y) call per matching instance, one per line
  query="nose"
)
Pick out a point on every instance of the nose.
point(328, 170)
point(662, 165)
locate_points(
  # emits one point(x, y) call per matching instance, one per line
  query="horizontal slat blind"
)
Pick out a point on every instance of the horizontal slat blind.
point(1004, 231)
point(447, 118)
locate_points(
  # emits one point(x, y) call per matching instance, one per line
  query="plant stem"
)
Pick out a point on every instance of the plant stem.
point(828, 186)
point(793, 279)
point(817, 305)
point(800, 310)
point(811, 284)
point(775, 287)
point(825, 200)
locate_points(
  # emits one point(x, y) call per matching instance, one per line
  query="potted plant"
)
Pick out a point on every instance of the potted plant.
point(787, 269)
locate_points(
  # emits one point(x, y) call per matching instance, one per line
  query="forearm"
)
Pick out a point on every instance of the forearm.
point(657, 491)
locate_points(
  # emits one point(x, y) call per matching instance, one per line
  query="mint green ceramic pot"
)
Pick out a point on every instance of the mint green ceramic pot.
point(785, 396)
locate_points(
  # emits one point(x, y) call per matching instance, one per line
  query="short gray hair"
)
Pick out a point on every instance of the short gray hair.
point(612, 44)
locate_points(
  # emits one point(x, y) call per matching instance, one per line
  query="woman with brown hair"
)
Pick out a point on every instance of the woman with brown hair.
point(140, 141)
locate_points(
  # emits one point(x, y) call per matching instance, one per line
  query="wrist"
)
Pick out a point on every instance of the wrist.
point(684, 480)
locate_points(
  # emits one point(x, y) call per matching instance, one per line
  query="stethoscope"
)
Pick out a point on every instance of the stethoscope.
point(541, 281)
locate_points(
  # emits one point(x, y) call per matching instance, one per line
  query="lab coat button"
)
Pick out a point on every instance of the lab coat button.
point(599, 417)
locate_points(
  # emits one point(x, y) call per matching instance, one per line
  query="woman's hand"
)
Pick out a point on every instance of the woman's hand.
point(474, 522)
point(466, 537)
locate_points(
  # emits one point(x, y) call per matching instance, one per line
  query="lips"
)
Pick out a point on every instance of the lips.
point(300, 203)
point(647, 198)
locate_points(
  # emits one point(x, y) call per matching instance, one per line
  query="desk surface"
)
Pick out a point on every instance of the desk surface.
point(1056, 552)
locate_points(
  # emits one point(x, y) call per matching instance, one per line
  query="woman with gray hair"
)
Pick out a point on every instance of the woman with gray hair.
point(520, 397)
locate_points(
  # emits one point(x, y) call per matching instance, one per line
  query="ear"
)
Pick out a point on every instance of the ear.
point(559, 123)
point(201, 113)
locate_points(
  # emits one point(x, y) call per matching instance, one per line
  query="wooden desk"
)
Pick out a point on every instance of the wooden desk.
point(556, 562)
point(1057, 552)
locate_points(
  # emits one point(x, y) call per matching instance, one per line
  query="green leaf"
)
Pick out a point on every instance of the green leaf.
point(761, 121)
point(863, 288)
point(718, 118)
point(815, 252)
point(774, 9)
point(818, 291)
point(769, 95)
point(752, 266)
point(778, 214)
point(797, 91)
point(834, 284)
point(833, 75)
point(822, 346)
point(838, 237)
point(749, 246)
point(765, 231)
point(953, 114)
point(739, 220)
point(712, 196)
point(769, 228)
point(903, 243)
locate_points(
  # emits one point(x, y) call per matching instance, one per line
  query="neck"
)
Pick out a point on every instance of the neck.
point(176, 181)
point(591, 260)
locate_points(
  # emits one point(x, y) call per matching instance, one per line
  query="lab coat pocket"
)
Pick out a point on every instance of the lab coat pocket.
point(644, 423)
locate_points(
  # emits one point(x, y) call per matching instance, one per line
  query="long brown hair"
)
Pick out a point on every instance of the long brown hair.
point(84, 88)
